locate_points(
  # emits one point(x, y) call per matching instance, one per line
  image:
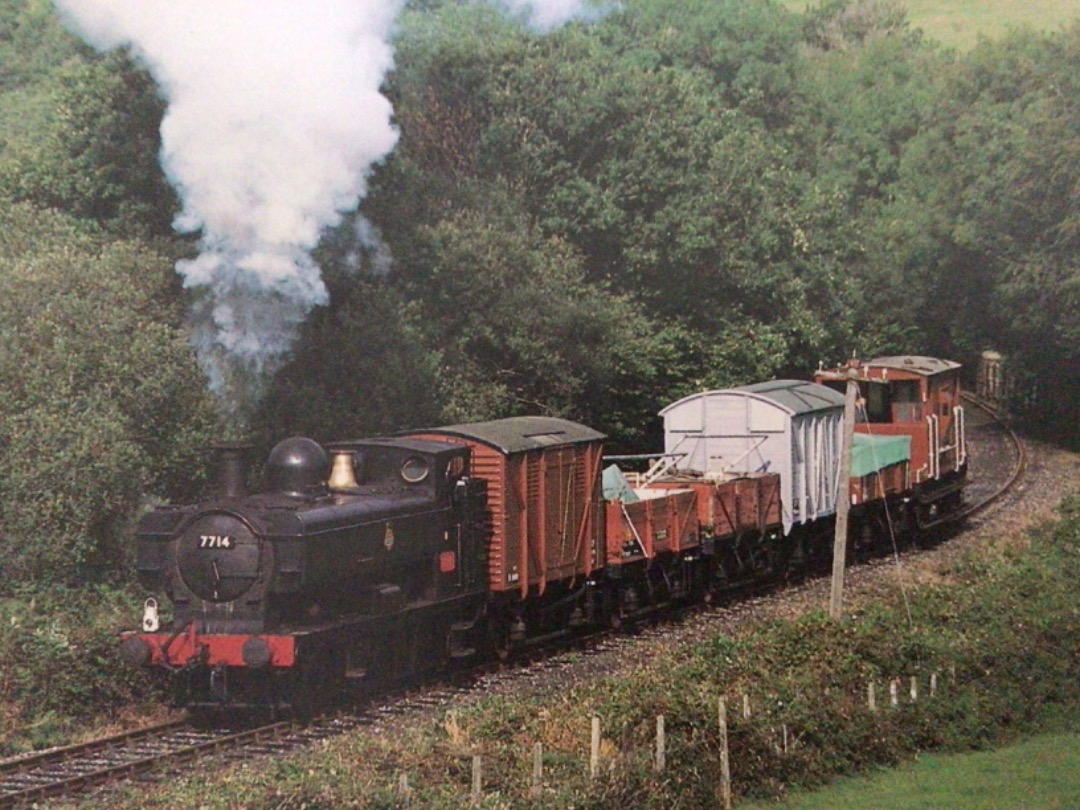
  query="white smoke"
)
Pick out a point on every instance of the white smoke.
point(545, 15)
point(274, 119)
point(370, 251)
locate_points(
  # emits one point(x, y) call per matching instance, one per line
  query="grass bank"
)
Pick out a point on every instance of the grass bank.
point(1037, 774)
point(996, 633)
point(960, 23)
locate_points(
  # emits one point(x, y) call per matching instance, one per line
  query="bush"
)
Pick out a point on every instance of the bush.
point(61, 669)
point(103, 401)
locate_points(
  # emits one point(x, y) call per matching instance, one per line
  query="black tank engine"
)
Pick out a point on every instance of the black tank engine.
point(278, 595)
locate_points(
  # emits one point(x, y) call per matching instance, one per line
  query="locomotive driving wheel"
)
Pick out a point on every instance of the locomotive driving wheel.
point(318, 682)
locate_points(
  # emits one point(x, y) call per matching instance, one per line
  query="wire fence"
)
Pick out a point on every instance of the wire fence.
point(877, 695)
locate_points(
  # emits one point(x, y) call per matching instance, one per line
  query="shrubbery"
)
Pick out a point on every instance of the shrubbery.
point(102, 402)
point(1001, 637)
point(61, 668)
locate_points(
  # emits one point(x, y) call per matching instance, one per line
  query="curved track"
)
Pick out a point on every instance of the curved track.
point(996, 441)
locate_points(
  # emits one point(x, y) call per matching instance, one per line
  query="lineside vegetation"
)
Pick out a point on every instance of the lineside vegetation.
point(1038, 772)
point(999, 628)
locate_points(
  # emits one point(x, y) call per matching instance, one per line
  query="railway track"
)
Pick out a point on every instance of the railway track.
point(74, 769)
point(995, 432)
point(71, 769)
point(150, 753)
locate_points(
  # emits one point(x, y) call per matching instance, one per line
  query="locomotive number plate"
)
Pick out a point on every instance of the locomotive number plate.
point(216, 541)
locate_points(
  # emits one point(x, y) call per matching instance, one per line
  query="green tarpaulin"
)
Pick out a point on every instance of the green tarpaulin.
point(616, 487)
point(873, 453)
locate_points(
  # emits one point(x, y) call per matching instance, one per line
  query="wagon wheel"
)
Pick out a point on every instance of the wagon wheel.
point(615, 618)
point(497, 639)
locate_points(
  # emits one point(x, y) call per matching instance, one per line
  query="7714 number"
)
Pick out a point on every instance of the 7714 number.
point(216, 541)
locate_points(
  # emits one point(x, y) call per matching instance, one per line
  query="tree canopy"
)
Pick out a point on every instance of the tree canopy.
point(103, 404)
point(589, 222)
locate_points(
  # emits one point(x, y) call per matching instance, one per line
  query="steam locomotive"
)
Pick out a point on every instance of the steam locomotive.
point(382, 557)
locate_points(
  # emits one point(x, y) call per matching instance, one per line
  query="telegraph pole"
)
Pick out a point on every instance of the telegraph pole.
point(843, 499)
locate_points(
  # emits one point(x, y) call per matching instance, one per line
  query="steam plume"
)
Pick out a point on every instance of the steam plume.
point(274, 119)
point(547, 14)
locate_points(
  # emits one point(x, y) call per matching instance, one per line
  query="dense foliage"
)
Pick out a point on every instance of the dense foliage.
point(588, 222)
point(103, 404)
point(60, 674)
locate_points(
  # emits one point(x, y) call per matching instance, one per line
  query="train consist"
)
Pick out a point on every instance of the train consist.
point(383, 557)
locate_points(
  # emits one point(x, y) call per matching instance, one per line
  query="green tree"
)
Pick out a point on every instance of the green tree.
point(32, 43)
point(653, 144)
point(861, 104)
point(103, 402)
point(91, 148)
point(361, 367)
point(522, 331)
point(842, 25)
point(984, 230)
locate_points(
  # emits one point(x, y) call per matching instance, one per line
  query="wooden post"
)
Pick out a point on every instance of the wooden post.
point(594, 749)
point(871, 697)
point(538, 770)
point(914, 689)
point(933, 684)
point(746, 706)
point(843, 500)
point(894, 691)
point(661, 744)
point(725, 764)
point(477, 780)
point(403, 789)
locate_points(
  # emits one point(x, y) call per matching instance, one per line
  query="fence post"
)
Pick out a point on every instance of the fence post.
point(538, 769)
point(894, 691)
point(933, 684)
point(404, 791)
point(661, 745)
point(594, 750)
point(746, 706)
point(871, 697)
point(914, 689)
point(725, 764)
point(477, 779)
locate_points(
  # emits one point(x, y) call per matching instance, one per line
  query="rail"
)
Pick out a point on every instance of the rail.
point(74, 768)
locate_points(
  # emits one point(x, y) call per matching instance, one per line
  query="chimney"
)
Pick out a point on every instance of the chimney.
point(232, 468)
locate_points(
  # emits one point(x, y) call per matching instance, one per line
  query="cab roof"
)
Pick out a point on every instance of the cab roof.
point(517, 434)
point(914, 363)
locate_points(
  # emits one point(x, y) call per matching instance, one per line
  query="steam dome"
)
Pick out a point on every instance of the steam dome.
point(297, 466)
